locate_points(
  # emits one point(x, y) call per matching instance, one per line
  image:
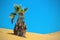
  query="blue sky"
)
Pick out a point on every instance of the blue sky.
point(43, 16)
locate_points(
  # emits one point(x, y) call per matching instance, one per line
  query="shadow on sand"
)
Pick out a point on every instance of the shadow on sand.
point(16, 35)
point(11, 33)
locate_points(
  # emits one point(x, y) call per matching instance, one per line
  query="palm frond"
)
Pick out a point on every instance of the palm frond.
point(12, 16)
point(17, 7)
point(25, 9)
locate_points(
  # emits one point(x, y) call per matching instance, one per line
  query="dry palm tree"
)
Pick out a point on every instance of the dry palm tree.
point(20, 27)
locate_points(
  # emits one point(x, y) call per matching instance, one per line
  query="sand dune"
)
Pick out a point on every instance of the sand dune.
point(6, 34)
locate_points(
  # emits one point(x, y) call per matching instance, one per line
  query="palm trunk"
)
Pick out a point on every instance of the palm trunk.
point(20, 28)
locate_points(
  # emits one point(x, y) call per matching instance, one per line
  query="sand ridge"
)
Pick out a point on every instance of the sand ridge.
point(6, 34)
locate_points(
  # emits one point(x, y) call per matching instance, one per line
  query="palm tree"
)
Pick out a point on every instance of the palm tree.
point(20, 27)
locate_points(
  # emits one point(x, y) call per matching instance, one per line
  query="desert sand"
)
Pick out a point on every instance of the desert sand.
point(6, 34)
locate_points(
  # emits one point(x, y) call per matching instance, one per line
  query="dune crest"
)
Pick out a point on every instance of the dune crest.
point(6, 34)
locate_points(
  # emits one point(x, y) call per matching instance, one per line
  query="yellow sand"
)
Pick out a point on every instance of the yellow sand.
point(6, 34)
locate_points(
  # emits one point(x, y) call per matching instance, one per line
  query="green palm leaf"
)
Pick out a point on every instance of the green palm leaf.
point(25, 9)
point(17, 8)
point(12, 15)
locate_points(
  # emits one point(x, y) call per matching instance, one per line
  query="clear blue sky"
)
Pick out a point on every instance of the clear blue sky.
point(43, 16)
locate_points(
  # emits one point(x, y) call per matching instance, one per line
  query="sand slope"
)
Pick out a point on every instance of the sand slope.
point(6, 34)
